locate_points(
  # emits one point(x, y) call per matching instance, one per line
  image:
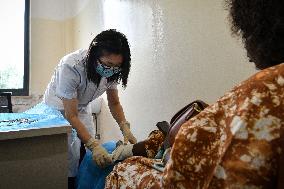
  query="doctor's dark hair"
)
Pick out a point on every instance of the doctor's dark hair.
point(108, 42)
point(260, 23)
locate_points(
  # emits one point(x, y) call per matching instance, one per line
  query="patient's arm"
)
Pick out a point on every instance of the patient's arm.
point(147, 148)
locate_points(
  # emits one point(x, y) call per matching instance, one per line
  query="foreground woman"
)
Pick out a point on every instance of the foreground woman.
point(236, 142)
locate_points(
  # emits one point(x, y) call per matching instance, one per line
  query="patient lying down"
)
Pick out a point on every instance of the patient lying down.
point(147, 148)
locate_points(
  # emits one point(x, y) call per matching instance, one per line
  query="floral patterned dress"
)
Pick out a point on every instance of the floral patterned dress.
point(233, 143)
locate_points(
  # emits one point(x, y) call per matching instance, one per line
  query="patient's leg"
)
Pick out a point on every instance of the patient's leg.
point(147, 148)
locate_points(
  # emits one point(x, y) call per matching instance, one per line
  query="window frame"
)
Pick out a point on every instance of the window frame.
point(25, 90)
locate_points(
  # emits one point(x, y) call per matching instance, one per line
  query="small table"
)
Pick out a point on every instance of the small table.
point(33, 156)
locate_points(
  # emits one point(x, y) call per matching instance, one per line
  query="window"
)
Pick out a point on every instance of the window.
point(14, 46)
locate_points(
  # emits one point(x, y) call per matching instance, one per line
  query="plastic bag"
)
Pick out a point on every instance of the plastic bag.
point(90, 176)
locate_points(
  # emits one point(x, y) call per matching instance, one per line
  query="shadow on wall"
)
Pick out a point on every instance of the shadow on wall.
point(109, 129)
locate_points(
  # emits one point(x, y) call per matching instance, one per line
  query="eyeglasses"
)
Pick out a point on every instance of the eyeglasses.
point(115, 69)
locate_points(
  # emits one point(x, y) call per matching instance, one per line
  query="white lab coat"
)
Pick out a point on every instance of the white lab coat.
point(70, 81)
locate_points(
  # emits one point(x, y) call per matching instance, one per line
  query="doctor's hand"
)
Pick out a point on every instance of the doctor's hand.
point(128, 136)
point(100, 156)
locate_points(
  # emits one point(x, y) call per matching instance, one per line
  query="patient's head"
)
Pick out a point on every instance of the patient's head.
point(260, 23)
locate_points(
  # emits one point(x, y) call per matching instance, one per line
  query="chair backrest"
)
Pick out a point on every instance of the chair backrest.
point(181, 117)
point(5, 102)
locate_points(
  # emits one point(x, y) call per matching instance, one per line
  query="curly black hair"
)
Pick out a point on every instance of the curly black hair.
point(108, 42)
point(260, 23)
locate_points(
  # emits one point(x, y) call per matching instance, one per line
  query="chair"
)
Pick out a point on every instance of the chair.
point(5, 102)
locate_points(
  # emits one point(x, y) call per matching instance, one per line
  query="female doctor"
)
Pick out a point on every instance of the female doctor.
point(83, 76)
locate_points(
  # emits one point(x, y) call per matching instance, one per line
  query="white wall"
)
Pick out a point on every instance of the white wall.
point(51, 37)
point(56, 9)
point(181, 51)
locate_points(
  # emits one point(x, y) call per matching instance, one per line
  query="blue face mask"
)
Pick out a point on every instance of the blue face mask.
point(105, 71)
